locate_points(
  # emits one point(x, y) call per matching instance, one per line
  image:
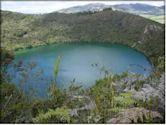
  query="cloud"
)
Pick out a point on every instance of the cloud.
point(50, 6)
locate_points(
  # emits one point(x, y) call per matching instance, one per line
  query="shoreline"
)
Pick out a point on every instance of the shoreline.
point(85, 42)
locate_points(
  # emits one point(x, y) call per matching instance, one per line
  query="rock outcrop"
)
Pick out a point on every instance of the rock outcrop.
point(151, 90)
point(136, 115)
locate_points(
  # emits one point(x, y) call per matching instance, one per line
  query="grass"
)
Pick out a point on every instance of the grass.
point(159, 19)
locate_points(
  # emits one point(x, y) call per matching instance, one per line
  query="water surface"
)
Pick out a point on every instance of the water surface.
point(82, 62)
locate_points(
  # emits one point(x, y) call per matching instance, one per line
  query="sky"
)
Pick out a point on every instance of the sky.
point(40, 7)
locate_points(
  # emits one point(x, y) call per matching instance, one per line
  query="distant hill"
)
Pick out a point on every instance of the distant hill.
point(26, 31)
point(140, 9)
point(85, 8)
point(132, 8)
point(162, 7)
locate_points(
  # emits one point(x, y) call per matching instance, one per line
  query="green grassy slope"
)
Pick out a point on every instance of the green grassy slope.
point(21, 31)
point(159, 19)
point(14, 28)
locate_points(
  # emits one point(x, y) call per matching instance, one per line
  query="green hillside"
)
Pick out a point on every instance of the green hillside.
point(159, 19)
point(26, 31)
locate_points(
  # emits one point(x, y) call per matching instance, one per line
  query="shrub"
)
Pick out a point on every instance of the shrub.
point(60, 115)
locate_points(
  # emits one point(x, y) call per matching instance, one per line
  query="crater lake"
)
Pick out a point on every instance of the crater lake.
point(81, 63)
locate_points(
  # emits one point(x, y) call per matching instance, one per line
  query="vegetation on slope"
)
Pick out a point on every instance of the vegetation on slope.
point(26, 31)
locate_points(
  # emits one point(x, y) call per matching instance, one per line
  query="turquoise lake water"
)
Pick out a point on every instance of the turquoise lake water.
point(82, 62)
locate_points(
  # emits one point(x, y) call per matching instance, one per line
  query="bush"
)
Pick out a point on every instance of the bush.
point(14, 107)
point(60, 115)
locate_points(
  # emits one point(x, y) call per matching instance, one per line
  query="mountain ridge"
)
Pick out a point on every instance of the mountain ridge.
point(133, 8)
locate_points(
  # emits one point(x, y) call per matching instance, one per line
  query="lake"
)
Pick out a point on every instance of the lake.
point(83, 63)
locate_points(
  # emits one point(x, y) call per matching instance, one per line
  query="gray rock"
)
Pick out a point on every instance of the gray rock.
point(154, 90)
point(136, 115)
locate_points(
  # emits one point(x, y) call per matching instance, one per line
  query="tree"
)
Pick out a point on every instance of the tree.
point(107, 9)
